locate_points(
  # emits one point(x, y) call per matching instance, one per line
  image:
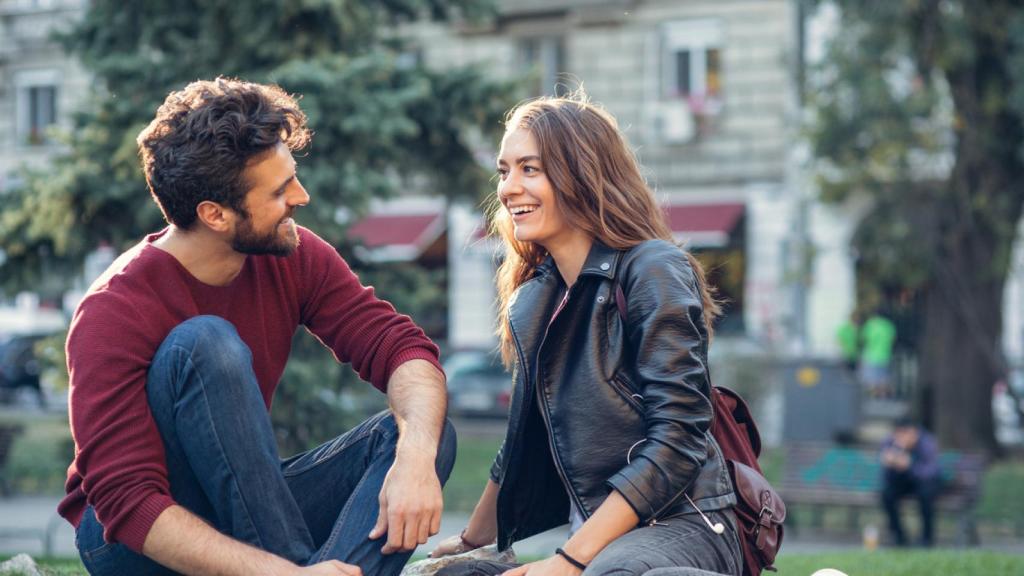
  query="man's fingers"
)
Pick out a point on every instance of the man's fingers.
point(396, 528)
point(426, 521)
point(410, 529)
point(435, 522)
point(381, 527)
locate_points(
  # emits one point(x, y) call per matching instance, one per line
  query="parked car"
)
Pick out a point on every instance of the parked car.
point(478, 385)
point(19, 367)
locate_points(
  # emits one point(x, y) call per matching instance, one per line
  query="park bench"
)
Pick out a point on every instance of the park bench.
point(8, 432)
point(824, 475)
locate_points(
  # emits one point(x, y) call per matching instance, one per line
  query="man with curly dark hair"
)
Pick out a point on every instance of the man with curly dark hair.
point(175, 352)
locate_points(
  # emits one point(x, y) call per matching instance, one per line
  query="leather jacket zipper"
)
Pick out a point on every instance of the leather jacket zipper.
point(627, 394)
point(545, 414)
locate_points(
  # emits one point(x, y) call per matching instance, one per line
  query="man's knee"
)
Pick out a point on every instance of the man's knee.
point(208, 346)
point(212, 337)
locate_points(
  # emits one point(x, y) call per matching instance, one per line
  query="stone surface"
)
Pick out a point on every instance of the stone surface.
point(432, 565)
point(20, 565)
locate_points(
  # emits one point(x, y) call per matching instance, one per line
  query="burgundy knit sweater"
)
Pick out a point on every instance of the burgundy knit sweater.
point(119, 466)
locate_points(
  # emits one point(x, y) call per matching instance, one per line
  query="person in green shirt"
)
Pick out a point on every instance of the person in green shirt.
point(848, 336)
point(877, 336)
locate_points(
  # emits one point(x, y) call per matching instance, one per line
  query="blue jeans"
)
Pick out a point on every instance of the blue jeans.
point(223, 465)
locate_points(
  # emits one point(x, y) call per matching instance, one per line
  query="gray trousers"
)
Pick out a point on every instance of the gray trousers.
point(681, 546)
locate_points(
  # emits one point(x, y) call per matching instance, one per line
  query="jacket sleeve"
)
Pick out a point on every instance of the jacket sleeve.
point(665, 330)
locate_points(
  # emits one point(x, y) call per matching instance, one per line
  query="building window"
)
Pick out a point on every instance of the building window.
point(36, 106)
point(544, 58)
point(42, 112)
point(692, 67)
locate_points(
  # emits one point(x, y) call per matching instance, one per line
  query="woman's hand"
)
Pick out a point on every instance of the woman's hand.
point(553, 566)
point(449, 546)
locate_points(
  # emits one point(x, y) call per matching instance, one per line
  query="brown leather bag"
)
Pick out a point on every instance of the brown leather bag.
point(759, 514)
point(759, 509)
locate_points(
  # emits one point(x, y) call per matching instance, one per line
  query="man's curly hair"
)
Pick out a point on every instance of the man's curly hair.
point(203, 136)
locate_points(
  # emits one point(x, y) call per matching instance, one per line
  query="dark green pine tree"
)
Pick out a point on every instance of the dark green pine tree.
point(919, 108)
point(383, 124)
point(381, 119)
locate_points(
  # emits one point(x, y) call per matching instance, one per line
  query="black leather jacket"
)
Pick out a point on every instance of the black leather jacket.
point(624, 407)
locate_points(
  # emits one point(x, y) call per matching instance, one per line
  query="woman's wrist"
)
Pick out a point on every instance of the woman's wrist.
point(470, 543)
point(570, 559)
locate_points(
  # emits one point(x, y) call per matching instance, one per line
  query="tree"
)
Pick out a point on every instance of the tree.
point(383, 122)
point(919, 106)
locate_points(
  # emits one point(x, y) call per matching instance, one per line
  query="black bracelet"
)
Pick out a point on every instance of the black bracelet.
point(467, 543)
point(570, 559)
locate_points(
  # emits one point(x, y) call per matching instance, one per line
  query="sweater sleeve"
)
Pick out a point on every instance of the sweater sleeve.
point(119, 453)
point(346, 316)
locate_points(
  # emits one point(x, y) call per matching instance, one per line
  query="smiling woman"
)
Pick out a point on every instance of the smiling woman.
point(609, 419)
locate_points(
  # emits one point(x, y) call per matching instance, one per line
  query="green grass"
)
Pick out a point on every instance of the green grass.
point(472, 469)
point(40, 455)
point(905, 563)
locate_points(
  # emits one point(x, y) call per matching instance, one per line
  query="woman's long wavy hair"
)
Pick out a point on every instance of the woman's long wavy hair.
point(598, 188)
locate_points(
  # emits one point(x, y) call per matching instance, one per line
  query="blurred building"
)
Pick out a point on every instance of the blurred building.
point(707, 93)
point(40, 86)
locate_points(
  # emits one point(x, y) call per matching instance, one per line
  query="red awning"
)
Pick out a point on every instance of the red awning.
point(397, 237)
point(703, 225)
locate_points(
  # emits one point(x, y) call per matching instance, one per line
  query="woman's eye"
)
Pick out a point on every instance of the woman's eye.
point(502, 172)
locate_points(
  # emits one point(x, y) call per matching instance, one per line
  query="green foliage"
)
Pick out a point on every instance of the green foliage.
point(383, 123)
point(919, 118)
point(40, 455)
point(898, 110)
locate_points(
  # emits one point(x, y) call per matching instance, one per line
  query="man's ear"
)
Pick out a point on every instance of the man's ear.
point(216, 217)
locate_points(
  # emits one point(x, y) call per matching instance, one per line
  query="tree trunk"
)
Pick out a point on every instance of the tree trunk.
point(959, 351)
point(962, 346)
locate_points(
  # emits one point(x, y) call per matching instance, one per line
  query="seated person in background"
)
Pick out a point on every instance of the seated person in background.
point(910, 467)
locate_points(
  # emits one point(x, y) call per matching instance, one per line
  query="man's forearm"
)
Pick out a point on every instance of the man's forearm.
point(410, 499)
point(181, 541)
point(418, 399)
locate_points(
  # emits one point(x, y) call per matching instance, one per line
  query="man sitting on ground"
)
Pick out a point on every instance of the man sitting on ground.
point(175, 352)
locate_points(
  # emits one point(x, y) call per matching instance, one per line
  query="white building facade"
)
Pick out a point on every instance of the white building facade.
point(40, 86)
point(706, 93)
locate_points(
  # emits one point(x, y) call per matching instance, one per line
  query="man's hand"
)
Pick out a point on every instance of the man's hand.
point(410, 503)
point(553, 566)
point(330, 568)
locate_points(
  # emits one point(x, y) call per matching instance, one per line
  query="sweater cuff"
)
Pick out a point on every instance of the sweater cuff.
point(410, 354)
point(136, 526)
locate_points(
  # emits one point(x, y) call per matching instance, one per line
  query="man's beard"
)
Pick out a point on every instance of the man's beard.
point(274, 243)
